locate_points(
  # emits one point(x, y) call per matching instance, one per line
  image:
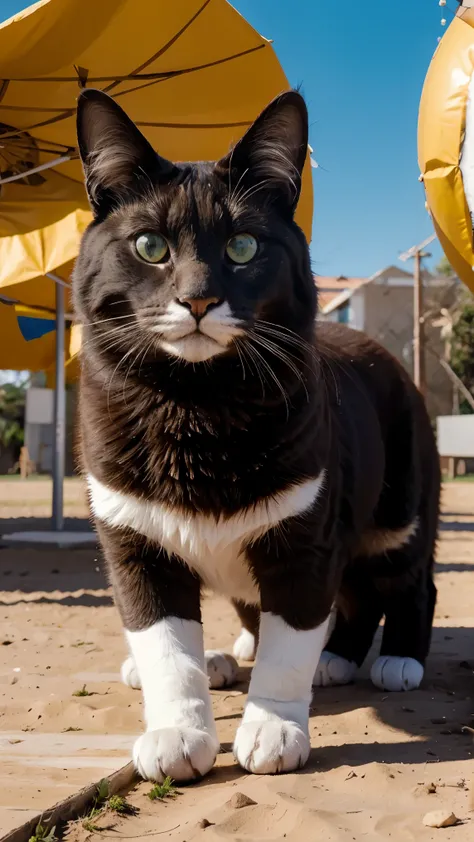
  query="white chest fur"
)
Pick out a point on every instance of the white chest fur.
point(213, 547)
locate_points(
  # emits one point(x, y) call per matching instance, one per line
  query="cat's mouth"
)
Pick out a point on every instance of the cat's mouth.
point(181, 335)
point(195, 347)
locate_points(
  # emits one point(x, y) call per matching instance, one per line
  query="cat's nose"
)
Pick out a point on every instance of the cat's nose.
point(199, 306)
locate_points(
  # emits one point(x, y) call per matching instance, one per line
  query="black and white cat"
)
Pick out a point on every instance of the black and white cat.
point(230, 441)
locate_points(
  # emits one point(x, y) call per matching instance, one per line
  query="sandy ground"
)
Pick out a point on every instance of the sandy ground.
point(374, 755)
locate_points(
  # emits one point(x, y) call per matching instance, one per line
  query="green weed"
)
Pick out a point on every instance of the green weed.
point(164, 790)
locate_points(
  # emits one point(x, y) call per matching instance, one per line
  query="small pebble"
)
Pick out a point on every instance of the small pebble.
point(425, 789)
point(240, 800)
point(440, 818)
point(204, 823)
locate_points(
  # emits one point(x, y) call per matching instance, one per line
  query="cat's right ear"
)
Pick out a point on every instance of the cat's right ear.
point(116, 157)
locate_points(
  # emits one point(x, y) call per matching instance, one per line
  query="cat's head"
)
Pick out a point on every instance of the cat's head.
point(189, 261)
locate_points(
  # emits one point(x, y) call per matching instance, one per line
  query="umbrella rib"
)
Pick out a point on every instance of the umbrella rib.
point(68, 177)
point(171, 75)
point(174, 73)
point(12, 146)
point(63, 116)
point(47, 166)
point(10, 302)
point(166, 46)
point(30, 108)
point(61, 147)
point(163, 76)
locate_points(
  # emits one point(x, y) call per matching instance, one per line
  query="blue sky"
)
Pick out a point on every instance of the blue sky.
point(361, 66)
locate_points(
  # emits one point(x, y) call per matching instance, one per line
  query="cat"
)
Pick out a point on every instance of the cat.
point(231, 441)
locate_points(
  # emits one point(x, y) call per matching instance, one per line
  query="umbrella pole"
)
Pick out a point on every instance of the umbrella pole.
point(59, 413)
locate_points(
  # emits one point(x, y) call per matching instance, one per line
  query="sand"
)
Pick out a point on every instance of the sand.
point(374, 755)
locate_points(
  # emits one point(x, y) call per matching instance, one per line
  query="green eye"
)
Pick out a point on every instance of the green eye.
point(241, 248)
point(151, 247)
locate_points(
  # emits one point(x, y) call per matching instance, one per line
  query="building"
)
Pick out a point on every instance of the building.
point(382, 307)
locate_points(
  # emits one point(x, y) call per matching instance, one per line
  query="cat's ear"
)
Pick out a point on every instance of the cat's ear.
point(116, 157)
point(272, 153)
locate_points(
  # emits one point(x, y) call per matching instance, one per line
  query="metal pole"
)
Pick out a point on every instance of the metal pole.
point(59, 413)
point(418, 326)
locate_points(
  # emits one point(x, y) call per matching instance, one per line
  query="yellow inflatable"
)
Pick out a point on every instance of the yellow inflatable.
point(446, 142)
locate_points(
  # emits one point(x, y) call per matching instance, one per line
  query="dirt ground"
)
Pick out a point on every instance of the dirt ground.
point(374, 755)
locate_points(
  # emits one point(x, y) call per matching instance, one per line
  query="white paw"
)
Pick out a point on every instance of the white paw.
point(393, 673)
point(333, 670)
point(267, 748)
point(221, 669)
point(244, 646)
point(129, 674)
point(182, 753)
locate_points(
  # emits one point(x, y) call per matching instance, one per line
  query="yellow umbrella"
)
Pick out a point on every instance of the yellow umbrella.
point(445, 142)
point(18, 354)
point(31, 266)
point(192, 74)
point(27, 258)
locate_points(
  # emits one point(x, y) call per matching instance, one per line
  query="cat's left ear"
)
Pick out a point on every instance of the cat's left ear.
point(272, 153)
point(118, 161)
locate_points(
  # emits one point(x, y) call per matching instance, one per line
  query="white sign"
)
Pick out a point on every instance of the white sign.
point(39, 406)
point(456, 436)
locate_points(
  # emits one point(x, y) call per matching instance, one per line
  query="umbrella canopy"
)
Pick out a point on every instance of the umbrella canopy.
point(28, 295)
point(28, 341)
point(18, 353)
point(26, 260)
point(446, 142)
point(193, 75)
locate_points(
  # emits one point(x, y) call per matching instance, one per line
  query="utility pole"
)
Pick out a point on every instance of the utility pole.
point(419, 372)
point(418, 327)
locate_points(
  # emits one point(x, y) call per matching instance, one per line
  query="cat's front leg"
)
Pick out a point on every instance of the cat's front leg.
point(297, 585)
point(159, 600)
point(274, 734)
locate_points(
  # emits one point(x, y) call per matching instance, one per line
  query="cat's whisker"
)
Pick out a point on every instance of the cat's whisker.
point(139, 347)
point(286, 340)
point(289, 166)
point(233, 194)
point(230, 170)
point(147, 348)
point(274, 377)
point(121, 360)
point(100, 322)
point(241, 358)
point(312, 365)
point(281, 355)
point(251, 191)
point(115, 337)
point(291, 333)
point(239, 196)
point(292, 339)
point(247, 352)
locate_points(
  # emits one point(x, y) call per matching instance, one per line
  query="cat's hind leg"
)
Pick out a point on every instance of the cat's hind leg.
point(245, 645)
point(129, 673)
point(359, 611)
point(409, 609)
